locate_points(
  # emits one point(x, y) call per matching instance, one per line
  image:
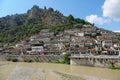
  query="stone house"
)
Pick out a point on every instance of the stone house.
point(107, 43)
point(36, 47)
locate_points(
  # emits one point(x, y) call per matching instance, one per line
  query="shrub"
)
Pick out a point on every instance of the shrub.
point(14, 60)
point(116, 68)
point(66, 58)
point(28, 60)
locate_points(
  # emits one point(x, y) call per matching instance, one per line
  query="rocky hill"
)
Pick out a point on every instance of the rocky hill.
point(14, 28)
point(34, 15)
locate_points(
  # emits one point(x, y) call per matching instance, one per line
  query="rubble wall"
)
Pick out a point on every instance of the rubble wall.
point(34, 58)
point(95, 62)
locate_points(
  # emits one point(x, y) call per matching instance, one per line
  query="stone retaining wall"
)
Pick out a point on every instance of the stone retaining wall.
point(95, 62)
point(36, 58)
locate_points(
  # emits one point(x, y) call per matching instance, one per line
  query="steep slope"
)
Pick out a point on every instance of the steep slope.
point(34, 15)
point(46, 16)
point(21, 26)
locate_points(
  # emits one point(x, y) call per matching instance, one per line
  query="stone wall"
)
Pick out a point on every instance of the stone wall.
point(95, 62)
point(2, 58)
point(35, 58)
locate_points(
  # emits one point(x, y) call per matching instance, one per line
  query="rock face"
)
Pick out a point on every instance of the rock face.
point(34, 15)
point(46, 16)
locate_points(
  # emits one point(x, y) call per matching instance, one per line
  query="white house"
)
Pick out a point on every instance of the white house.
point(37, 48)
point(107, 43)
point(79, 34)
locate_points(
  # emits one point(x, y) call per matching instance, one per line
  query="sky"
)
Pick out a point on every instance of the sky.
point(103, 13)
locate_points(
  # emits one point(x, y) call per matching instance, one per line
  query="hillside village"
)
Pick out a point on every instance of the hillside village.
point(88, 40)
point(38, 42)
point(49, 32)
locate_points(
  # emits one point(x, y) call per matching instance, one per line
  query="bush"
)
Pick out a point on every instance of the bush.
point(66, 58)
point(28, 60)
point(14, 60)
point(8, 59)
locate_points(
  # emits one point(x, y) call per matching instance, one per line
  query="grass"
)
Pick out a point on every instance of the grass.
point(115, 68)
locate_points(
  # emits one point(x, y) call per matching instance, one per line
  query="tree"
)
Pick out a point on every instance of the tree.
point(70, 17)
point(45, 8)
point(50, 9)
point(41, 43)
point(66, 58)
point(80, 25)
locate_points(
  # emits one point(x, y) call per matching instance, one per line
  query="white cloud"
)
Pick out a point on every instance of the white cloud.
point(117, 31)
point(111, 9)
point(97, 20)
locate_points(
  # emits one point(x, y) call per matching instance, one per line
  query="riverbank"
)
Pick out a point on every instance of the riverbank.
point(114, 68)
point(51, 71)
point(75, 60)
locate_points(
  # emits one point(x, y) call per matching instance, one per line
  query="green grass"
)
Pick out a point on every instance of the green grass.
point(115, 68)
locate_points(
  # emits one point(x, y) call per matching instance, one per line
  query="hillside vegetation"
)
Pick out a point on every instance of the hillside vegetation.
point(14, 28)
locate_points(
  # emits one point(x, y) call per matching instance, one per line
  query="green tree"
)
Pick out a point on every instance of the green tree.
point(66, 58)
